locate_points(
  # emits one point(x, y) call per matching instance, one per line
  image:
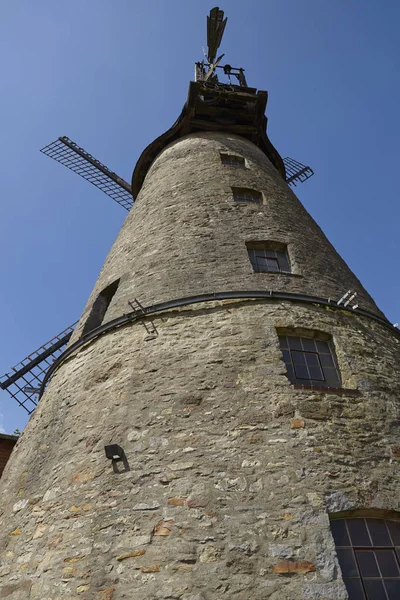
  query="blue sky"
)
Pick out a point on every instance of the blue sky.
point(114, 75)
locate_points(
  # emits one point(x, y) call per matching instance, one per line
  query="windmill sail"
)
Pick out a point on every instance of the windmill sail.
point(296, 172)
point(75, 158)
point(24, 382)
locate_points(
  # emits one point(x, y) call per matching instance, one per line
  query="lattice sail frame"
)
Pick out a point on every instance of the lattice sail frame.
point(75, 158)
point(296, 171)
point(25, 381)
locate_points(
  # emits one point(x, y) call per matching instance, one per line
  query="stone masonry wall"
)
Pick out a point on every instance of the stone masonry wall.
point(186, 236)
point(233, 472)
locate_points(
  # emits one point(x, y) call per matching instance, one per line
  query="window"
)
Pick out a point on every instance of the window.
point(369, 556)
point(309, 361)
point(232, 160)
point(268, 257)
point(100, 307)
point(247, 196)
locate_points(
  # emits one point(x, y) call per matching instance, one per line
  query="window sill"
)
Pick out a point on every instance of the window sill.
point(286, 273)
point(327, 390)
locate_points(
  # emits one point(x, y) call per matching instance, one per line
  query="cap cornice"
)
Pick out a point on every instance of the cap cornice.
point(215, 107)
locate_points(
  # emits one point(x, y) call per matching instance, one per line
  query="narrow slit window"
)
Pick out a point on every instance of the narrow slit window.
point(310, 361)
point(232, 160)
point(100, 306)
point(247, 196)
point(268, 257)
point(369, 556)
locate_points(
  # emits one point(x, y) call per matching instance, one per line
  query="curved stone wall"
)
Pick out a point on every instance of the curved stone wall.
point(233, 472)
point(230, 471)
point(186, 236)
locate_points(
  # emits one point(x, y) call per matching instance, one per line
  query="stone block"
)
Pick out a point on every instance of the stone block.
point(297, 424)
point(176, 501)
point(163, 528)
point(133, 554)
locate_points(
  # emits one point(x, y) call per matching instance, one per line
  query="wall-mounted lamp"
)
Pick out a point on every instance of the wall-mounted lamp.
point(114, 452)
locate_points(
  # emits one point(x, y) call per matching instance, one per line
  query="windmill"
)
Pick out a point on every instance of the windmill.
point(25, 379)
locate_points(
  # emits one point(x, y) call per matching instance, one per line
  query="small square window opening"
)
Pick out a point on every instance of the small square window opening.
point(309, 361)
point(246, 196)
point(268, 257)
point(232, 160)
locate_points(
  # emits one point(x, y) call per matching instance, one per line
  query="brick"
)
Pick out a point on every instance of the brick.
point(106, 594)
point(297, 424)
point(150, 569)
point(163, 528)
point(176, 501)
point(396, 451)
point(288, 566)
point(133, 554)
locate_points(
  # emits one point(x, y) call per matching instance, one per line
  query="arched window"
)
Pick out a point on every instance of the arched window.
point(368, 550)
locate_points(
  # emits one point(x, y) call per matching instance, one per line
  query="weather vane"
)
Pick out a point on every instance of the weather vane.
point(206, 69)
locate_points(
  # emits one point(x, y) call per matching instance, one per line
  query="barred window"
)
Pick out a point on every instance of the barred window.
point(247, 196)
point(310, 361)
point(369, 556)
point(232, 160)
point(268, 257)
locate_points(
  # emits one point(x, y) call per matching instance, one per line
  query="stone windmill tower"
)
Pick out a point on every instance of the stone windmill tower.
point(248, 409)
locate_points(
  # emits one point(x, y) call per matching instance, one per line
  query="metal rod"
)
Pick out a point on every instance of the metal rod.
point(223, 67)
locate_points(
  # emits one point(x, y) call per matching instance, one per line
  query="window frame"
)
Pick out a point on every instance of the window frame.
point(247, 196)
point(232, 160)
point(349, 552)
point(276, 251)
point(306, 355)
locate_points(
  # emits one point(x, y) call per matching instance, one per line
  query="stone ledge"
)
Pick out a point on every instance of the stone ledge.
point(286, 273)
point(327, 390)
